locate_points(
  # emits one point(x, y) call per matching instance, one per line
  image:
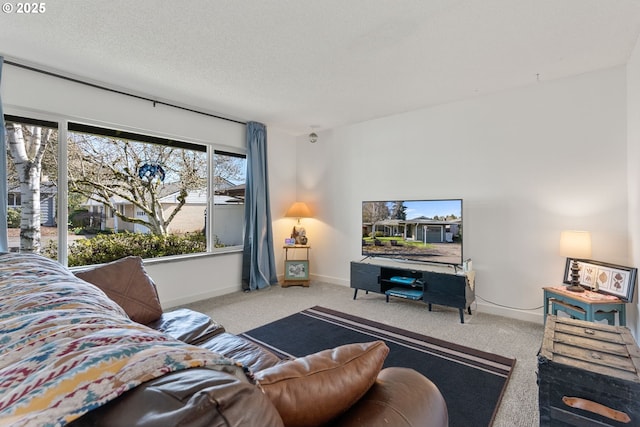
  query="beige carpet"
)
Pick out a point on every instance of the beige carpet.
point(240, 312)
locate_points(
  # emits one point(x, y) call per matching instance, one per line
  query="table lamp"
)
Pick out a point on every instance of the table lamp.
point(575, 245)
point(299, 210)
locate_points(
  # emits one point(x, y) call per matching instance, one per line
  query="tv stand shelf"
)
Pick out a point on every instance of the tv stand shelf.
point(432, 284)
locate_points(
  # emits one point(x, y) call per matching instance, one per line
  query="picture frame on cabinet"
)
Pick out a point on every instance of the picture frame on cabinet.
point(605, 278)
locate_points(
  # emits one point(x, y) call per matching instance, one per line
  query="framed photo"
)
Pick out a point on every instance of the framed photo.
point(605, 278)
point(296, 270)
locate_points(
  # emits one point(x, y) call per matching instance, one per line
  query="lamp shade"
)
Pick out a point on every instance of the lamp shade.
point(298, 210)
point(575, 244)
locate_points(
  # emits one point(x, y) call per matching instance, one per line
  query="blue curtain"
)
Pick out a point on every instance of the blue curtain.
point(4, 198)
point(258, 263)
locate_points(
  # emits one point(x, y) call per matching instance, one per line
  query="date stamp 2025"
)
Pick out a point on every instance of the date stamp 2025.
point(24, 8)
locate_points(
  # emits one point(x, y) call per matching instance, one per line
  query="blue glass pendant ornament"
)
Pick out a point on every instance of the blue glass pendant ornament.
point(150, 171)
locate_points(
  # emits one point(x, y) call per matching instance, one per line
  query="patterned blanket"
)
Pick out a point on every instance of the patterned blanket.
point(65, 348)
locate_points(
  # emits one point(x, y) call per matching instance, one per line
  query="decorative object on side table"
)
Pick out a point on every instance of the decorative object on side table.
point(299, 210)
point(604, 278)
point(575, 245)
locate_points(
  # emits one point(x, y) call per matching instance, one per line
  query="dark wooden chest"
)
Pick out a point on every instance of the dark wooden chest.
point(588, 375)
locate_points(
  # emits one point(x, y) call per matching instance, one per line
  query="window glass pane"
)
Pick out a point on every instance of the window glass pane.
point(32, 186)
point(128, 194)
point(134, 196)
point(229, 188)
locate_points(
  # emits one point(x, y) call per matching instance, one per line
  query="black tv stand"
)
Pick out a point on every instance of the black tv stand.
point(431, 284)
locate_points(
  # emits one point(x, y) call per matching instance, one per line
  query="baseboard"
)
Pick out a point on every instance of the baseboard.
point(527, 316)
point(330, 279)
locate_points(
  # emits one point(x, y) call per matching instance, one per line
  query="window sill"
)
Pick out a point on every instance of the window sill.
point(175, 258)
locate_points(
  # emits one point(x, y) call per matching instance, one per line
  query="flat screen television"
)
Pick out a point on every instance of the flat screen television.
point(413, 230)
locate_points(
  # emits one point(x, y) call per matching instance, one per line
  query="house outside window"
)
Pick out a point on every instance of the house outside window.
point(228, 199)
point(135, 194)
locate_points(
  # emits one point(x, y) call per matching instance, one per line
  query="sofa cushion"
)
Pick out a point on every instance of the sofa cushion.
point(312, 390)
point(187, 326)
point(126, 282)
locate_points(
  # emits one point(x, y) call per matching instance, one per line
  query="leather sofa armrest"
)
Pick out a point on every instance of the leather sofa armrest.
point(190, 398)
point(187, 325)
point(400, 397)
point(251, 355)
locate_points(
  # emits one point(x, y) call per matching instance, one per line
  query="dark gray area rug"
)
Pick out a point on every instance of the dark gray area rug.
point(471, 381)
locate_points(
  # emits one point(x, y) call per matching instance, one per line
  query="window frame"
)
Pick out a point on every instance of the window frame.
point(14, 201)
point(65, 123)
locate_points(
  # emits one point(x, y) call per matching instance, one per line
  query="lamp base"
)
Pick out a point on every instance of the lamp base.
point(575, 278)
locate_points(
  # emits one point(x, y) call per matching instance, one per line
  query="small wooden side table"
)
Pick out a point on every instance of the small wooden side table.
point(296, 271)
point(587, 305)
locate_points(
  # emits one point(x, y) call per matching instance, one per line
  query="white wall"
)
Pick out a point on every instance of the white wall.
point(528, 163)
point(36, 95)
point(633, 154)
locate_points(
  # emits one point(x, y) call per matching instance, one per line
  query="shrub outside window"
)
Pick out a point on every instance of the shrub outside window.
point(134, 194)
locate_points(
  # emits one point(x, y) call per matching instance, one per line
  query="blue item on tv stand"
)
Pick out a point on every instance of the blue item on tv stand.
point(408, 293)
point(403, 280)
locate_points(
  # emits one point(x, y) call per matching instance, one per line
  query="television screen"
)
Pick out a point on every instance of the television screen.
point(415, 230)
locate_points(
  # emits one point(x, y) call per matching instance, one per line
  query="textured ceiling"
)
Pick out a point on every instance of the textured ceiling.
point(303, 64)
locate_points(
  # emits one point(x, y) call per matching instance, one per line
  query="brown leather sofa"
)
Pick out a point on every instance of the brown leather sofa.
point(201, 397)
point(84, 357)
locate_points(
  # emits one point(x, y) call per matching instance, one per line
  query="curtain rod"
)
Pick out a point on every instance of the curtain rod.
point(108, 89)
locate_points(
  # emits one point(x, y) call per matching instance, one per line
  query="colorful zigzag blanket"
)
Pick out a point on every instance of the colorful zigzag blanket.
point(65, 348)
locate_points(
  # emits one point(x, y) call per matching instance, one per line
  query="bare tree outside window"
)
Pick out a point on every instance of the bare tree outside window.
point(31, 167)
point(140, 184)
point(127, 194)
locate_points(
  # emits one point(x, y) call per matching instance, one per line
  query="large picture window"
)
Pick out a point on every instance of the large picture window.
point(133, 194)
